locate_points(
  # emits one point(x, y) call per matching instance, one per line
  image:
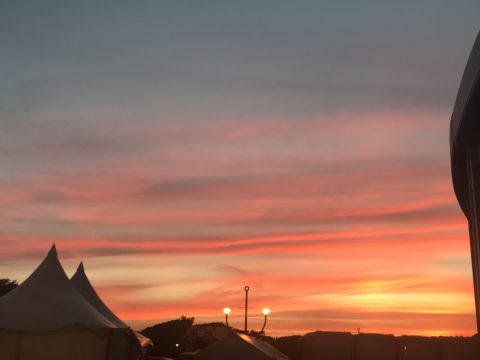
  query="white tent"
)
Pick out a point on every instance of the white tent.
point(240, 347)
point(47, 318)
point(84, 287)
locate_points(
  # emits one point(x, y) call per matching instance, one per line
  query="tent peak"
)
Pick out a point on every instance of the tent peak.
point(53, 250)
point(80, 267)
point(48, 301)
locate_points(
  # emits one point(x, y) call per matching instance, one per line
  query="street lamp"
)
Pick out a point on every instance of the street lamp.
point(226, 311)
point(265, 312)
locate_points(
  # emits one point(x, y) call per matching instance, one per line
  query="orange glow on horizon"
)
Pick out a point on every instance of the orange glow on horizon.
point(384, 248)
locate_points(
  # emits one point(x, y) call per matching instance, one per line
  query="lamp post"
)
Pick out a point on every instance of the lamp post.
point(265, 312)
point(246, 288)
point(227, 311)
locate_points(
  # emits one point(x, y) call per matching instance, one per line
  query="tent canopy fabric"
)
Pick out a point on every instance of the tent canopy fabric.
point(239, 347)
point(263, 346)
point(84, 287)
point(48, 301)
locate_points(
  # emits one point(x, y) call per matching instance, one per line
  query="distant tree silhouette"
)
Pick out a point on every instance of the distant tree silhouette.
point(168, 337)
point(7, 285)
point(203, 335)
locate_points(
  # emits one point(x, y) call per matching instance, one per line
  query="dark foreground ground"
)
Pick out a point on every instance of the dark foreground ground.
point(346, 346)
point(179, 336)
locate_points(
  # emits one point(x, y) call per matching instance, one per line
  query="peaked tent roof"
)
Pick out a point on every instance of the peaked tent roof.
point(48, 301)
point(238, 347)
point(84, 287)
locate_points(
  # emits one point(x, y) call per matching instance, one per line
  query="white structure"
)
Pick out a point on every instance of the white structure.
point(240, 347)
point(46, 318)
point(84, 287)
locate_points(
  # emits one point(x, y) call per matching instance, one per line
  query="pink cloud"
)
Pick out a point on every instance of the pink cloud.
point(364, 199)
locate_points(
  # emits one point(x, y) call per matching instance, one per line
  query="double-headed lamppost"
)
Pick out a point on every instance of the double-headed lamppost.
point(265, 312)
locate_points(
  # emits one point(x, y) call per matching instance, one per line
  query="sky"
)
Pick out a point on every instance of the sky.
point(185, 149)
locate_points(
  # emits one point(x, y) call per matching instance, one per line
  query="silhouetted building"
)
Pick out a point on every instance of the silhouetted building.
point(345, 346)
point(237, 346)
point(421, 348)
point(328, 346)
point(465, 158)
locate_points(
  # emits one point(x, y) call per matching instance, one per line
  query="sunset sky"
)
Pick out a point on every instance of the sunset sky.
point(184, 149)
